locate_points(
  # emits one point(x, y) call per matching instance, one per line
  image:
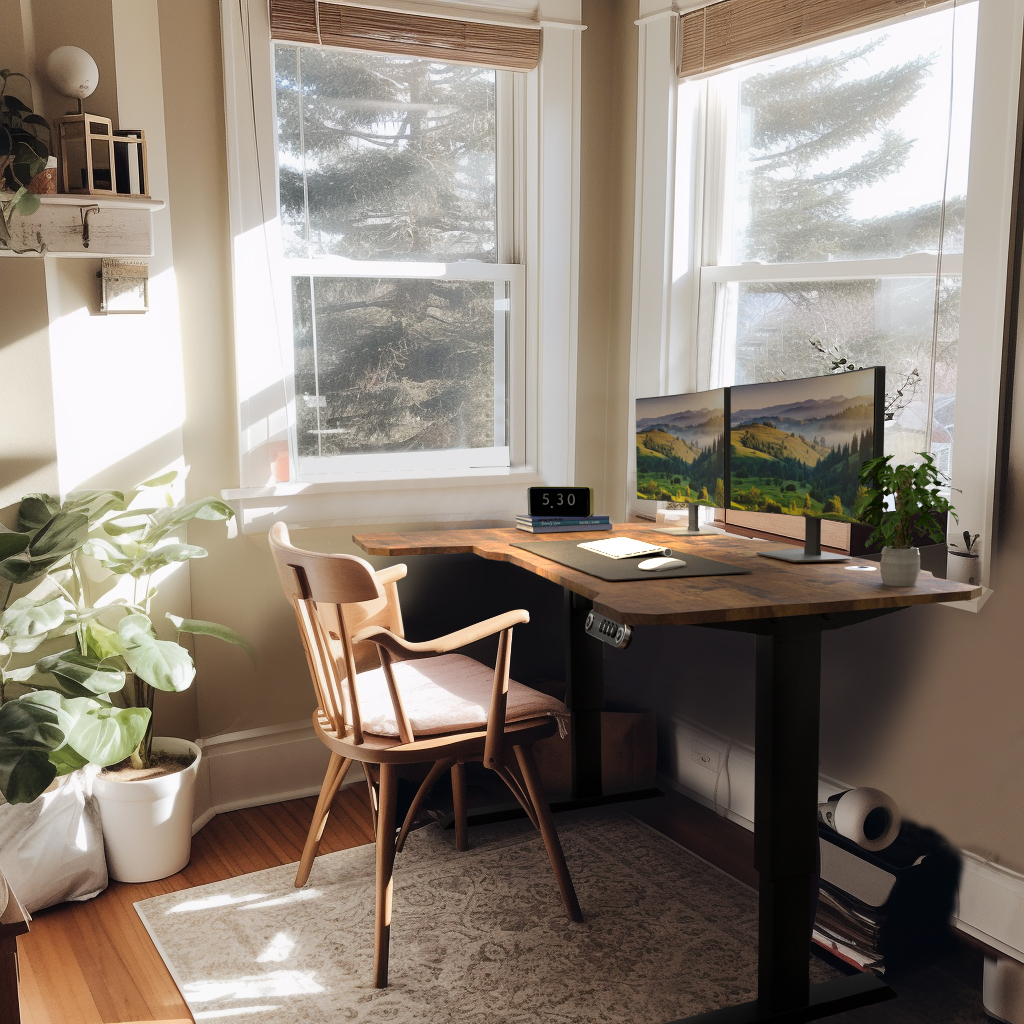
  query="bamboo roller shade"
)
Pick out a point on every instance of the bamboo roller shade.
point(503, 47)
point(734, 31)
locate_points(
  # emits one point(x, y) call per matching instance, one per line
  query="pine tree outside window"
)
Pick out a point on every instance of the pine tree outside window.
point(828, 191)
point(394, 196)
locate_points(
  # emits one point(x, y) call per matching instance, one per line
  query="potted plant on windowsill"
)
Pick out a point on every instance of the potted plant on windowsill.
point(93, 703)
point(918, 508)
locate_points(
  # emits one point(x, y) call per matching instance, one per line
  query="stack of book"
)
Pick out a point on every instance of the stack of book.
point(562, 524)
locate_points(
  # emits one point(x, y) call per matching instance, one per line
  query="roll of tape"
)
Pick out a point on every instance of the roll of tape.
point(867, 817)
point(5, 895)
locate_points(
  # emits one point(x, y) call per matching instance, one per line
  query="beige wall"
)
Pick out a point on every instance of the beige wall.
point(606, 246)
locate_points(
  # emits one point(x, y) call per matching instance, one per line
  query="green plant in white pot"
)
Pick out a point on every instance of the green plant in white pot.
point(146, 804)
point(918, 510)
point(93, 702)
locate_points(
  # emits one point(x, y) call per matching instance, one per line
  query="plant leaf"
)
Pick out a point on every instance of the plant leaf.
point(12, 543)
point(159, 481)
point(102, 643)
point(35, 511)
point(61, 535)
point(167, 553)
point(34, 618)
point(134, 628)
point(203, 628)
point(79, 675)
point(101, 734)
point(162, 663)
point(28, 732)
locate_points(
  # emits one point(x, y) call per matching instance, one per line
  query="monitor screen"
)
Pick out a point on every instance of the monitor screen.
point(797, 446)
point(680, 448)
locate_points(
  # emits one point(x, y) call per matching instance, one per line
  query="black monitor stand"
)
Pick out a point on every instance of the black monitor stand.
point(694, 528)
point(812, 547)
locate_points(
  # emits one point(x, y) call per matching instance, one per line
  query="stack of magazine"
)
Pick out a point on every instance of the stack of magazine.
point(562, 524)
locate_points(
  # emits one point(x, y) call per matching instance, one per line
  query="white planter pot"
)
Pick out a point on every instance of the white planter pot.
point(963, 568)
point(900, 566)
point(147, 823)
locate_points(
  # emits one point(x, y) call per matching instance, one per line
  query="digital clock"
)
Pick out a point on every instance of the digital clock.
point(560, 501)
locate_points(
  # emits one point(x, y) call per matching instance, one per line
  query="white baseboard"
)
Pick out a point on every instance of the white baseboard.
point(261, 766)
point(991, 897)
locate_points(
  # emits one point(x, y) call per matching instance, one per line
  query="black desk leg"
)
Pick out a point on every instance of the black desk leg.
point(584, 696)
point(785, 810)
point(786, 840)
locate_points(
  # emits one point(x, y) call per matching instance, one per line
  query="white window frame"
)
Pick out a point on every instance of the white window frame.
point(666, 355)
point(542, 270)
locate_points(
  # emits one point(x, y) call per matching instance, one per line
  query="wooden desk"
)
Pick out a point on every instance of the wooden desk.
point(787, 607)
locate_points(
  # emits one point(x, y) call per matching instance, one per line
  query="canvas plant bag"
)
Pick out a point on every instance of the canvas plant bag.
point(51, 850)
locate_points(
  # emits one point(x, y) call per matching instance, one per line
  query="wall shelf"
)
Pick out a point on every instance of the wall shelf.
point(117, 226)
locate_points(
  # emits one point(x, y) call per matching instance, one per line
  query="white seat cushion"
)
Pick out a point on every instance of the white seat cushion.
point(448, 693)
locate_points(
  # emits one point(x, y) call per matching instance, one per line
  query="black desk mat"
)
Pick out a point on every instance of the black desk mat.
point(622, 570)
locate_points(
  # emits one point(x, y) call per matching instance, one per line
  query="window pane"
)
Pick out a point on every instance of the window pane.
point(841, 149)
point(385, 158)
point(399, 365)
point(802, 329)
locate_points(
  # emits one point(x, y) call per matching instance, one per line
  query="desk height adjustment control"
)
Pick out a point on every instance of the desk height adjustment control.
point(609, 631)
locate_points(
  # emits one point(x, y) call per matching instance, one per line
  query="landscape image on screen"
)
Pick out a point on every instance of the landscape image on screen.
point(797, 446)
point(680, 448)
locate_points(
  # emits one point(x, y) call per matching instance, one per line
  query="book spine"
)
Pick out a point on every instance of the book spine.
point(562, 528)
point(564, 521)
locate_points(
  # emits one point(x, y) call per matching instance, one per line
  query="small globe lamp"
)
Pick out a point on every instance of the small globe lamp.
point(86, 140)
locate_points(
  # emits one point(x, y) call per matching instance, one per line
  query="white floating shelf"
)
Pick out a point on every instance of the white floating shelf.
point(118, 226)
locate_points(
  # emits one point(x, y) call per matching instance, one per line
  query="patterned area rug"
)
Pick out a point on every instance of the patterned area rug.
point(477, 937)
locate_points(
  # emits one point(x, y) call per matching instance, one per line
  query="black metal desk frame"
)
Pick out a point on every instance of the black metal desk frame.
point(788, 687)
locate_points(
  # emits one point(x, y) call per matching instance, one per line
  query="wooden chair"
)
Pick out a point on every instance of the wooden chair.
point(385, 702)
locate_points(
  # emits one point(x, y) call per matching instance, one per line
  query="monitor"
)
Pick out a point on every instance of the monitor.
point(797, 446)
point(681, 447)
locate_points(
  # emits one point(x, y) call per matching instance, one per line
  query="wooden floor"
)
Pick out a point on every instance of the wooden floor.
point(94, 963)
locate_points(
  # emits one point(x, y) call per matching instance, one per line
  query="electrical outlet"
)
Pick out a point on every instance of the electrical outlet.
point(705, 756)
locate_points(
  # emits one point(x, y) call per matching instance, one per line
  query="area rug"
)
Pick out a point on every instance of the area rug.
point(476, 937)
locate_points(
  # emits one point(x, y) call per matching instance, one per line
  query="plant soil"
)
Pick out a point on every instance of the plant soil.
point(162, 764)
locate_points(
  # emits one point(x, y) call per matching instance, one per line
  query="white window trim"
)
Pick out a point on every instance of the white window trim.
point(658, 300)
point(542, 442)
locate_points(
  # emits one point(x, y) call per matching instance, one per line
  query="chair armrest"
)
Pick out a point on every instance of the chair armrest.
point(404, 650)
point(391, 574)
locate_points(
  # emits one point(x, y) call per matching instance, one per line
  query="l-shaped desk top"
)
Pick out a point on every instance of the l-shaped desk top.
point(773, 589)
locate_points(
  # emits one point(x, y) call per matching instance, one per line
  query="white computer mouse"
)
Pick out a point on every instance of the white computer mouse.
point(654, 564)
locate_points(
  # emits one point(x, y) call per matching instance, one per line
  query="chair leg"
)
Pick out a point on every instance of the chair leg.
point(524, 755)
point(459, 798)
point(438, 769)
point(386, 803)
point(337, 769)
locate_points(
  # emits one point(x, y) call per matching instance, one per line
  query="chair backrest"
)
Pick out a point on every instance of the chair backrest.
point(334, 596)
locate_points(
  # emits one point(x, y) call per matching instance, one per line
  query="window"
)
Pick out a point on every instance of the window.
point(388, 167)
point(832, 198)
point(389, 241)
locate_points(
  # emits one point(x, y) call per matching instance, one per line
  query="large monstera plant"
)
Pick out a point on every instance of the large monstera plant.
point(90, 702)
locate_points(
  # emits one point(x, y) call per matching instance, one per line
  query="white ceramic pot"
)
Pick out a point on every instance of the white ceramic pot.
point(147, 823)
point(900, 566)
point(963, 568)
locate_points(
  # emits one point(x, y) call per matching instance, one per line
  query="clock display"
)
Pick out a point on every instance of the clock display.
point(560, 501)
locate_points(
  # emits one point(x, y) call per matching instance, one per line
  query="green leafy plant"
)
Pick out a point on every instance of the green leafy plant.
point(25, 146)
point(919, 509)
point(91, 702)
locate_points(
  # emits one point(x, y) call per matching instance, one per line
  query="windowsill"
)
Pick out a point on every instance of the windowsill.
point(440, 496)
point(974, 605)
